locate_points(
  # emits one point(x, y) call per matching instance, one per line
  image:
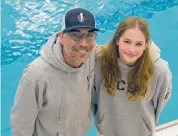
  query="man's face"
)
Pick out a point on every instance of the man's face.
point(77, 45)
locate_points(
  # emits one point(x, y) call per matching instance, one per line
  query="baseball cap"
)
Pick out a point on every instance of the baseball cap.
point(78, 18)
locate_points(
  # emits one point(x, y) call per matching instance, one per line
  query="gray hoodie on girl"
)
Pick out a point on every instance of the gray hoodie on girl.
point(117, 116)
point(53, 99)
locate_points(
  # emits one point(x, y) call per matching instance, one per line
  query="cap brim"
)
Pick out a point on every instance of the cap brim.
point(75, 27)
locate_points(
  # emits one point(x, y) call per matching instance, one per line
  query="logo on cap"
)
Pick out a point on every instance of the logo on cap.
point(81, 18)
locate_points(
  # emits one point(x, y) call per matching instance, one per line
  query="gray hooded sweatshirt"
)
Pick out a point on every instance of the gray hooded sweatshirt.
point(53, 99)
point(117, 116)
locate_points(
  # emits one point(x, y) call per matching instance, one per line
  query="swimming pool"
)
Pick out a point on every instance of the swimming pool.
point(27, 25)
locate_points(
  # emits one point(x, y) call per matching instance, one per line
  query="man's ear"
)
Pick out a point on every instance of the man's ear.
point(61, 36)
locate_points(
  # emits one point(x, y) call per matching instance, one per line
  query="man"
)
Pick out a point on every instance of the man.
point(54, 93)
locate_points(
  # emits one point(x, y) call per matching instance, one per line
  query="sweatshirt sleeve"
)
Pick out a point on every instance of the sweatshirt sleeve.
point(95, 93)
point(94, 101)
point(163, 92)
point(25, 109)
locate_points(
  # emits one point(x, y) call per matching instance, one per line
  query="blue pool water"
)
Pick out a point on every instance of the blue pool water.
point(27, 25)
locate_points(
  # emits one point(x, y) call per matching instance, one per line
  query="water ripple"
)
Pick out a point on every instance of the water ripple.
point(31, 22)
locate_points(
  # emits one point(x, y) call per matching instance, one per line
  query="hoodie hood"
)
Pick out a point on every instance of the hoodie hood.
point(51, 52)
point(154, 52)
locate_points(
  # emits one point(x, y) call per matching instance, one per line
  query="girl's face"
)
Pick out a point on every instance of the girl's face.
point(131, 46)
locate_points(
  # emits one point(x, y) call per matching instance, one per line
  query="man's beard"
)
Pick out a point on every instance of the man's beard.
point(75, 56)
point(79, 60)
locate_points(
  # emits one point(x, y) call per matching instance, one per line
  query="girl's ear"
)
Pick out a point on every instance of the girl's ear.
point(117, 41)
point(147, 44)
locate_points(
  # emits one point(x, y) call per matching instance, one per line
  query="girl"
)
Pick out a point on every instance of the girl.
point(132, 84)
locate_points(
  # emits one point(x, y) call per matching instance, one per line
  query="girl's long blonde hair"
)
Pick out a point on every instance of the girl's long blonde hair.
point(140, 76)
